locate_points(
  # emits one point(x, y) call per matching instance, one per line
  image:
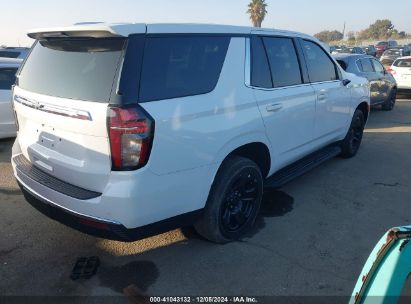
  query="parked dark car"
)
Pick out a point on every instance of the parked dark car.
point(382, 46)
point(389, 56)
point(341, 49)
point(383, 86)
point(356, 50)
point(14, 52)
point(370, 50)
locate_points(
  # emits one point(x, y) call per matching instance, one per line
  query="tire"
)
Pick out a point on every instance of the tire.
point(234, 201)
point(352, 141)
point(390, 103)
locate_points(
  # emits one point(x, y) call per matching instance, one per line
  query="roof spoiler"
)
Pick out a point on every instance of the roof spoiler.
point(89, 30)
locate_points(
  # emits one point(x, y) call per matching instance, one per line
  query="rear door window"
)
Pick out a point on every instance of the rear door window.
point(320, 66)
point(7, 78)
point(260, 69)
point(284, 65)
point(181, 66)
point(377, 66)
point(82, 69)
point(365, 65)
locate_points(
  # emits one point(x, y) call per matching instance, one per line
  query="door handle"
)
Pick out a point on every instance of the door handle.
point(322, 97)
point(274, 107)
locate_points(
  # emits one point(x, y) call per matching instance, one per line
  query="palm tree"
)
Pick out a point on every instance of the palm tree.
point(257, 10)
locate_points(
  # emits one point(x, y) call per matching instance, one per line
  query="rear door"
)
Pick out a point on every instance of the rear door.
point(384, 78)
point(333, 98)
point(61, 102)
point(286, 101)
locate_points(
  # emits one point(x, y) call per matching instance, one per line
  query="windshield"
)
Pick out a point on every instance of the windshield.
point(82, 69)
point(383, 43)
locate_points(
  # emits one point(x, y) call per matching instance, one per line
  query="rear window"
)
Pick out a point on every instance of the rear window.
point(8, 54)
point(403, 63)
point(82, 69)
point(382, 43)
point(181, 66)
point(320, 66)
point(393, 52)
point(365, 65)
point(7, 78)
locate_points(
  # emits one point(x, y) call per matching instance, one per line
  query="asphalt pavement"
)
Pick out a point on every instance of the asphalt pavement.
point(312, 237)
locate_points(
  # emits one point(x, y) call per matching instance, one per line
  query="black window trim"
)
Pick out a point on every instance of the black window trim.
point(300, 59)
point(337, 70)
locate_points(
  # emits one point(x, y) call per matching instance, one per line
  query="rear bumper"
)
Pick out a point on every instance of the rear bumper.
point(133, 205)
point(404, 86)
point(105, 229)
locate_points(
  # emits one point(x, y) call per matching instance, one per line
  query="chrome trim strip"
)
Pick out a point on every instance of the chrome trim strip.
point(125, 129)
point(52, 109)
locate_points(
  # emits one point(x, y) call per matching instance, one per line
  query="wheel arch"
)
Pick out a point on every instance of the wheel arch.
point(365, 109)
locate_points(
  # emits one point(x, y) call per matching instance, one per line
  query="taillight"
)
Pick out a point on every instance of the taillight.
point(131, 132)
point(391, 71)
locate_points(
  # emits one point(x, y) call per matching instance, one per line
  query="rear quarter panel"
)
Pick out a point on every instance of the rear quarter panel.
point(360, 90)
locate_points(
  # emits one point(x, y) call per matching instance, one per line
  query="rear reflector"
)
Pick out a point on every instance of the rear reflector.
point(94, 224)
point(131, 132)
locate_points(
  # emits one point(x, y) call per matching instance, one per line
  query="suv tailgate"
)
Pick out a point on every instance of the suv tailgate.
point(65, 138)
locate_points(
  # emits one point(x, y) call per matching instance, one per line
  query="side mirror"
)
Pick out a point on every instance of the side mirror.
point(346, 82)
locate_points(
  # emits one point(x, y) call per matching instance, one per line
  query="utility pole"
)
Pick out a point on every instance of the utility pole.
point(343, 32)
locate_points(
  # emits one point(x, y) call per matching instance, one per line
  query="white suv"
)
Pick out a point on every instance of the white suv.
point(128, 130)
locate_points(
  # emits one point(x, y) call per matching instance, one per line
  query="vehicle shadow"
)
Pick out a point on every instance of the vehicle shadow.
point(5, 149)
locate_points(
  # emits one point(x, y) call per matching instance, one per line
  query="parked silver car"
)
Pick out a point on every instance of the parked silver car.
point(383, 87)
point(389, 56)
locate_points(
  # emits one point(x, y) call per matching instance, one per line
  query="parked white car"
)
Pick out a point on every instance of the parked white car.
point(401, 70)
point(127, 130)
point(8, 70)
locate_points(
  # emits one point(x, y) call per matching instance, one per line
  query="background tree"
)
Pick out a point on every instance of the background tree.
point(381, 29)
point(328, 36)
point(364, 35)
point(257, 9)
point(351, 38)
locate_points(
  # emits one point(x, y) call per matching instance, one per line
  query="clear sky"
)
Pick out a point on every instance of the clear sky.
point(309, 16)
